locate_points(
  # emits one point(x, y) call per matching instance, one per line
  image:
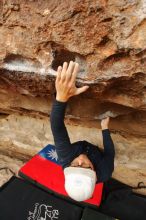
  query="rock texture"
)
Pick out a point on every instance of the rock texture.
point(108, 40)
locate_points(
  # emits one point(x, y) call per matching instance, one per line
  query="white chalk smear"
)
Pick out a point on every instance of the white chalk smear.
point(25, 66)
point(29, 67)
point(107, 114)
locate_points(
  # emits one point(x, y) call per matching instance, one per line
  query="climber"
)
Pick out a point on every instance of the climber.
point(83, 163)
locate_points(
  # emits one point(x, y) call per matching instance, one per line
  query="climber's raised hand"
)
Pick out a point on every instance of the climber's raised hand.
point(65, 81)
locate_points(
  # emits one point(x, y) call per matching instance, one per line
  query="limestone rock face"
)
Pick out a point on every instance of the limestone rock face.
point(108, 40)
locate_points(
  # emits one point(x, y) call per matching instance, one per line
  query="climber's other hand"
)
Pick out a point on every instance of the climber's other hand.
point(105, 123)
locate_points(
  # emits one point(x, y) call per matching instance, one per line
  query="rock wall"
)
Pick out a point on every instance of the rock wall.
point(108, 39)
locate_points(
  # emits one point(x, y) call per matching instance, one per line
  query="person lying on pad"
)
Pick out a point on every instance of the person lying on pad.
point(84, 164)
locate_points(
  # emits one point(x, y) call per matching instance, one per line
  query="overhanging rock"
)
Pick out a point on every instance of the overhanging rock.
point(108, 40)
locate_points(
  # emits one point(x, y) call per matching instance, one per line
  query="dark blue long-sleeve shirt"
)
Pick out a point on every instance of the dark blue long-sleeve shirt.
point(103, 162)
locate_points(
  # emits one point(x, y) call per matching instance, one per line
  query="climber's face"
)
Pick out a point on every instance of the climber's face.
point(82, 161)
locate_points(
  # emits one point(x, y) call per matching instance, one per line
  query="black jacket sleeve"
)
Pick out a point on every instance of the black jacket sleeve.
point(60, 134)
point(106, 165)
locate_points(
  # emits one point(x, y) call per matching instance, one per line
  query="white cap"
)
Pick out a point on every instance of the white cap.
point(79, 183)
